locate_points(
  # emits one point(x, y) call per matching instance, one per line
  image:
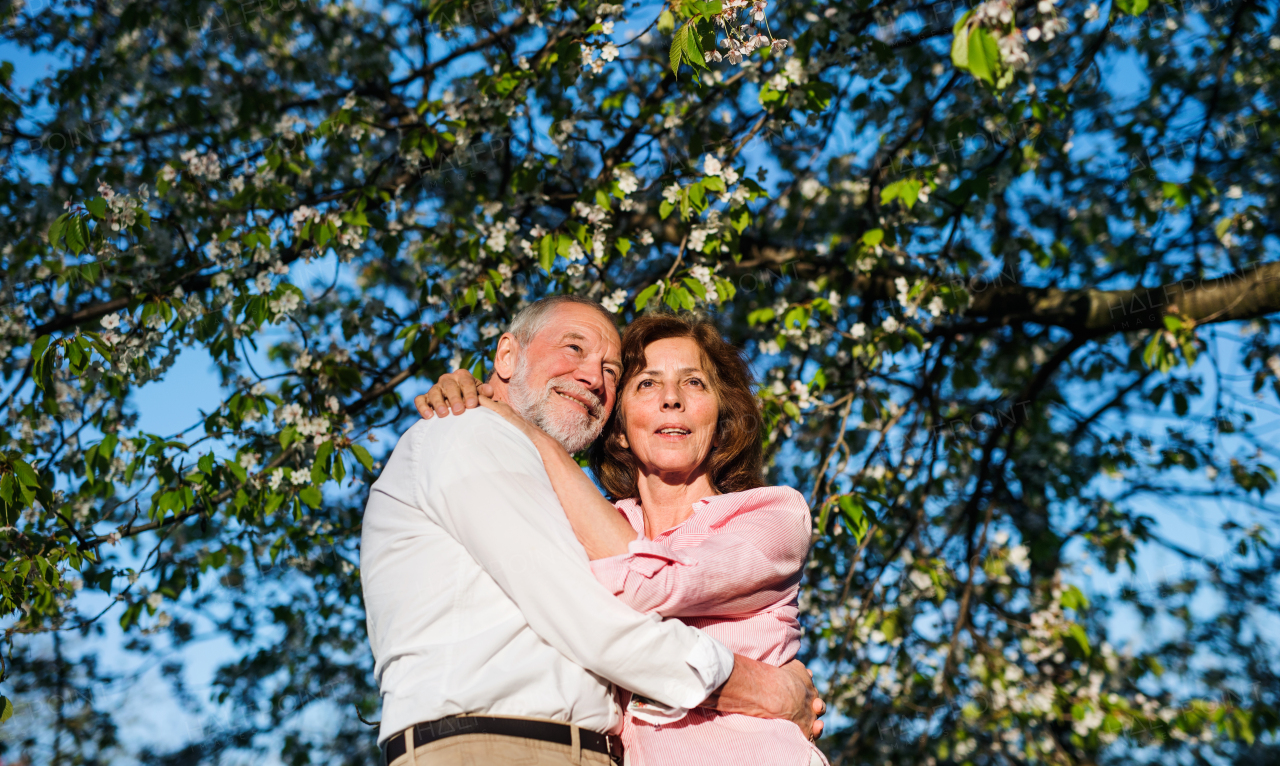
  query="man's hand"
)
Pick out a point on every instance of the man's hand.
point(764, 691)
point(457, 390)
point(808, 705)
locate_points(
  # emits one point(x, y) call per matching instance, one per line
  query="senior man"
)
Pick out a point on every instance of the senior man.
point(493, 642)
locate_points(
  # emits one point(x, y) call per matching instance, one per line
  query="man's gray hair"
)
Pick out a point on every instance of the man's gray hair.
point(530, 320)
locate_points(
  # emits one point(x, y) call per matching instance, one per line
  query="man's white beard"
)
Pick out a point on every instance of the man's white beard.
point(573, 429)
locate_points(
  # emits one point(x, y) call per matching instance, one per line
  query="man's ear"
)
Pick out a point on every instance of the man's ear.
point(622, 441)
point(504, 359)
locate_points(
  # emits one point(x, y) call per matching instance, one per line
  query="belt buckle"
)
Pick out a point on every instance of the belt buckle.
point(615, 748)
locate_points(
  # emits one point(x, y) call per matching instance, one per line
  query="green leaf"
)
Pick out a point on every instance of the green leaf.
point(1132, 7)
point(311, 496)
point(1081, 638)
point(960, 46)
point(1073, 598)
point(693, 45)
point(546, 252)
point(77, 236)
point(319, 468)
point(25, 473)
point(288, 436)
point(97, 206)
point(855, 513)
point(6, 709)
point(56, 229)
point(984, 55)
point(1152, 349)
point(666, 22)
point(677, 48)
point(665, 209)
point(623, 245)
point(642, 300)
point(38, 350)
point(363, 456)
point(875, 236)
point(907, 190)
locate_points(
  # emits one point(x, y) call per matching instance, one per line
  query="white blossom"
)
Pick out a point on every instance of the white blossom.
point(627, 181)
point(613, 302)
point(289, 413)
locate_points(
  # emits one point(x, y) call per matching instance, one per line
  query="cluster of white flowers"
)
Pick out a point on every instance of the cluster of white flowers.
point(300, 477)
point(109, 323)
point(122, 210)
point(801, 392)
point(704, 275)
point(742, 39)
point(249, 460)
point(713, 167)
point(289, 413)
point(276, 477)
point(316, 427)
point(671, 194)
point(1049, 29)
point(627, 181)
point(202, 165)
point(286, 303)
point(698, 237)
point(498, 233)
point(613, 303)
point(1012, 52)
point(594, 214)
point(646, 237)
point(306, 213)
point(590, 61)
point(793, 73)
point(508, 286)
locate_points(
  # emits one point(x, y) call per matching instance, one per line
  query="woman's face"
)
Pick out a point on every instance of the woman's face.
point(670, 409)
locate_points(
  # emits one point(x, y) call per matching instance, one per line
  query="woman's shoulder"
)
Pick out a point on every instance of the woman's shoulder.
point(773, 496)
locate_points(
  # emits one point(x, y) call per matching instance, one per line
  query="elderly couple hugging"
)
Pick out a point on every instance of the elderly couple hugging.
point(516, 616)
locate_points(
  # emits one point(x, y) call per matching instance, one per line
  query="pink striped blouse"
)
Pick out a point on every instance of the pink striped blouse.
point(733, 570)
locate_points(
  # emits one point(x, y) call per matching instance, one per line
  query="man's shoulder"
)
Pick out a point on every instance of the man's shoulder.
point(462, 438)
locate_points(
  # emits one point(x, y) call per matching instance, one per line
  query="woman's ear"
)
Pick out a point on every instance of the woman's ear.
point(622, 441)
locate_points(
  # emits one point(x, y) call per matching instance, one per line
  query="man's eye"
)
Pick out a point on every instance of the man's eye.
point(576, 348)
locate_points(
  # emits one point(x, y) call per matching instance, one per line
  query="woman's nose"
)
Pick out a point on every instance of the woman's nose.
point(671, 403)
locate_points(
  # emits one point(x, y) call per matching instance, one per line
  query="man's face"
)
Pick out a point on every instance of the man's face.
point(565, 380)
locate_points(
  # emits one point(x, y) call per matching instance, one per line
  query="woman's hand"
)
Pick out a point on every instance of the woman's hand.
point(457, 390)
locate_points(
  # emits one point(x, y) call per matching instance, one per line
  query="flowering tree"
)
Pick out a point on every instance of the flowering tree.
point(1005, 271)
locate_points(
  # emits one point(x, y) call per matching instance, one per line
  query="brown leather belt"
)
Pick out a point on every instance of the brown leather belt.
point(543, 731)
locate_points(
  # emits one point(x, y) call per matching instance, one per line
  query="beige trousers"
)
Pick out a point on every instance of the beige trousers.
point(497, 750)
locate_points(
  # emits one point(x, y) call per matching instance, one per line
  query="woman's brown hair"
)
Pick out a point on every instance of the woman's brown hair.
point(736, 463)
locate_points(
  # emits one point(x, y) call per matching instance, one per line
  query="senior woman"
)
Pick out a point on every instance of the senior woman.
point(695, 535)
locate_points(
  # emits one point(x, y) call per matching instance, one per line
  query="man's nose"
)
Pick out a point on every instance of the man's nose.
point(591, 376)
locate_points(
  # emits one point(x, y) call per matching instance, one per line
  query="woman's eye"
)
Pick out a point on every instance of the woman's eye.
point(645, 383)
point(696, 382)
point(576, 348)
